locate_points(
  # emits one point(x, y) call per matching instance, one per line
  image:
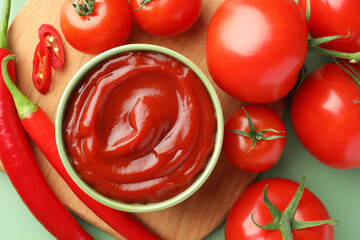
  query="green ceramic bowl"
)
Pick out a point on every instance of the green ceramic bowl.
point(61, 112)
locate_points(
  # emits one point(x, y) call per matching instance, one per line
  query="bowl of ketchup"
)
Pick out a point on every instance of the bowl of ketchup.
point(139, 128)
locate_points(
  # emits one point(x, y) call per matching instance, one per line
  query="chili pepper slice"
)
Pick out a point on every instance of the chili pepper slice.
point(41, 68)
point(52, 40)
point(25, 175)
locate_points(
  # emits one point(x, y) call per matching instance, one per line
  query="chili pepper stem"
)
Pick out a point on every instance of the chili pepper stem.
point(4, 23)
point(24, 106)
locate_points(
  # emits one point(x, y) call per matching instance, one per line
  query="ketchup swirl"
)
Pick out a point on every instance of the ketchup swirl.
point(140, 128)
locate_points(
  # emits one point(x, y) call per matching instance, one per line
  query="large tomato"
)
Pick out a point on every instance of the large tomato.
point(325, 116)
point(239, 224)
point(251, 149)
point(108, 26)
point(255, 48)
point(166, 17)
point(335, 17)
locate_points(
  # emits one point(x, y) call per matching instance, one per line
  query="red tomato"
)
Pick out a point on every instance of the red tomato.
point(265, 152)
point(340, 17)
point(107, 27)
point(325, 117)
point(255, 48)
point(280, 192)
point(166, 17)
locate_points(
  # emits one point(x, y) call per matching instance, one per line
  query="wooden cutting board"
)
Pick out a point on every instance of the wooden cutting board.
point(195, 217)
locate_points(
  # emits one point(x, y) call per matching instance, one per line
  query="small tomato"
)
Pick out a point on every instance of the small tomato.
point(97, 26)
point(165, 18)
point(254, 138)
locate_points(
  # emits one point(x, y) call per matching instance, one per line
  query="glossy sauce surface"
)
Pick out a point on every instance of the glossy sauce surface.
point(140, 128)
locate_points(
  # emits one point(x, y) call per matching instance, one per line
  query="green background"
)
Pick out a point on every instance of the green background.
point(338, 189)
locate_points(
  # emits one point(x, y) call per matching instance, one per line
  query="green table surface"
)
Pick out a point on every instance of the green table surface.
point(338, 189)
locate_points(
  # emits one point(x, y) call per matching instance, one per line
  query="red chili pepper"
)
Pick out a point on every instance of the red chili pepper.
point(52, 40)
point(24, 173)
point(40, 128)
point(41, 75)
point(19, 161)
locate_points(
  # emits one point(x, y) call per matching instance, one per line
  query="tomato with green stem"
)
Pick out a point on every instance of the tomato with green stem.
point(254, 138)
point(165, 18)
point(94, 26)
point(276, 208)
point(325, 115)
point(254, 50)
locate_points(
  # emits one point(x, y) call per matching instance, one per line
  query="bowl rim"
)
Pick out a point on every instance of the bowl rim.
point(134, 207)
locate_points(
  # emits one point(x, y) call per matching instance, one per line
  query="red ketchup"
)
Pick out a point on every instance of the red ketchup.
point(140, 128)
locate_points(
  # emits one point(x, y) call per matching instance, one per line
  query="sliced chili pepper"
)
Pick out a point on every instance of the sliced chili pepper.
point(52, 40)
point(41, 68)
point(24, 173)
point(40, 128)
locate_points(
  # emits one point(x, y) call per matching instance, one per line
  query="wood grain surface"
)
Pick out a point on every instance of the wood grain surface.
point(195, 217)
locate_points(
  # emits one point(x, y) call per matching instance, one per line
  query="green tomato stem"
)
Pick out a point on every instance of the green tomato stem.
point(314, 42)
point(275, 212)
point(254, 135)
point(84, 9)
point(353, 57)
point(353, 74)
point(274, 225)
point(285, 228)
point(308, 10)
point(304, 224)
point(24, 106)
point(4, 23)
point(291, 208)
point(142, 4)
